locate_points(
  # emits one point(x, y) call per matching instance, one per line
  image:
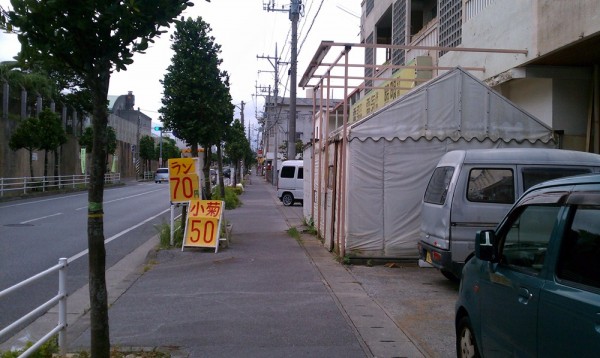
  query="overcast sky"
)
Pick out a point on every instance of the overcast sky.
point(245, 31)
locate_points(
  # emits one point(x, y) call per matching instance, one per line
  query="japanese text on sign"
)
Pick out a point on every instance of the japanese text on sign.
point(184, 188)
point(202, 227)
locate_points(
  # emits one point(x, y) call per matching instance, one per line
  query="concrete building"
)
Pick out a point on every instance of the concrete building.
point(544, 53)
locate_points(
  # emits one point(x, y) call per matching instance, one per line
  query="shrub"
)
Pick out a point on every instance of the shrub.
point(231, 198)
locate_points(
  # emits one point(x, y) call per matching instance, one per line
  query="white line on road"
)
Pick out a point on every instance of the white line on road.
point(123, 198)
point(43, 217)
point(85, 252)
point(41, 201)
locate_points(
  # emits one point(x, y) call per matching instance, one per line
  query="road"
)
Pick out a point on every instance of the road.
point(36, 232)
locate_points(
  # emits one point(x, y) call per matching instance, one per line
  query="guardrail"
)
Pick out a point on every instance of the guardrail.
point(60, 299)
point(29, 184)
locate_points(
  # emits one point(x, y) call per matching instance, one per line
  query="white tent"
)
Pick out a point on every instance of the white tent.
point(392, 153)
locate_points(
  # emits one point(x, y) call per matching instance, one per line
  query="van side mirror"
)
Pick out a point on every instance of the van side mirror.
point(485, 245)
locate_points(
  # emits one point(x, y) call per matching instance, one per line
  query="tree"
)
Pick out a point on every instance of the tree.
point(196, 100)
point(90, 39)
point(110, 146)
point(26, 136)
point(237, 146)
point(147, 151)
point(51, 135)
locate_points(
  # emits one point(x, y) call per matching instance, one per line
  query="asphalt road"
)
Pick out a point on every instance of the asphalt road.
point(36, 232)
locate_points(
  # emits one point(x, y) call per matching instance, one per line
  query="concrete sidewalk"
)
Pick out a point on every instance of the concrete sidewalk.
point(266, 295)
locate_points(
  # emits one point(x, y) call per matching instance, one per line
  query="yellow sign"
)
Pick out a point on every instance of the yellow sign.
point(201, 232)
point(179, 167)
point(203, 224)
point(185, 188)
point(184, 181)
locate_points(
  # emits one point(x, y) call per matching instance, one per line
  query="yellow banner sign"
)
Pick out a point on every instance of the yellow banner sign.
point(179, 167)
point(184, 188)
point(203, 224)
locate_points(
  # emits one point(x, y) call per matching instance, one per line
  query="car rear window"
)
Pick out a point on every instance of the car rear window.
point(162, 171)
point(437, 189)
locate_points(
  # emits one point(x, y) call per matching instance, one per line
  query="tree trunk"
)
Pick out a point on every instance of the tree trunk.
point(220, 166)
point(100, 339)
point(45, 164)
point(206, 170)
point(30, 162)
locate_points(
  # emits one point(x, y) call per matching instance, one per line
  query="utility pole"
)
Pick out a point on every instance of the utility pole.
point(275, 123)
point(294, 14)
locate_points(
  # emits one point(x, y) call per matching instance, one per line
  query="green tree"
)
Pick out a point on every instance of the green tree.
point(196, 100)
point(26, 136)
point(237, 146)
point(110, 146)
point(51, 135)
point(147, 151)
point(91, 38)
point(169, 150)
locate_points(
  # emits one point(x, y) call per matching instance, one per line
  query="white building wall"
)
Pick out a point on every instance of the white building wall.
point(507, 24)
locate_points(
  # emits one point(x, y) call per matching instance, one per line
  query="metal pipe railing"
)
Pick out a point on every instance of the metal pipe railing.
point(60, 299)
point(25, 184)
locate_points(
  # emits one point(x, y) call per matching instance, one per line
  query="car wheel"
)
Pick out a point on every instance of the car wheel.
point(466, 346)
point(450, 276)
point(287, 199)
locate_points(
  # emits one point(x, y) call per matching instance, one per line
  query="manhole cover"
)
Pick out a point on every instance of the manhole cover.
point(18, 225)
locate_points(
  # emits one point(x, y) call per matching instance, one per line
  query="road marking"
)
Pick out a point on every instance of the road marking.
point(123, 198)
point(116, 236)
point(43, 217)
point(41, 201)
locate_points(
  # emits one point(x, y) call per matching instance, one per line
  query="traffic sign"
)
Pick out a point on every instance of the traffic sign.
point(203, 224)
point(184, 179)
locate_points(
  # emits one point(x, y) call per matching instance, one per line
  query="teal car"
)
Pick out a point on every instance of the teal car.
point(533, 287)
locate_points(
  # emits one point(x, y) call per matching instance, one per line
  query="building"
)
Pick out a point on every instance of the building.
point(428, 66)
point(275, 129)
point(544, 54)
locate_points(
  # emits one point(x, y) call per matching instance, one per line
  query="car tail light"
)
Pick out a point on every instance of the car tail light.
point(436, 256)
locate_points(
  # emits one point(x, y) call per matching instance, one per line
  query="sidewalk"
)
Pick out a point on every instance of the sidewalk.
point(267, 295)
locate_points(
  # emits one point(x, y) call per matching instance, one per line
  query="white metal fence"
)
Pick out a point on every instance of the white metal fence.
point(60, 299)
point(26, 185)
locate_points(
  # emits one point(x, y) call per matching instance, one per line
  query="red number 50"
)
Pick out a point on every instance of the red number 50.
point(198, 231)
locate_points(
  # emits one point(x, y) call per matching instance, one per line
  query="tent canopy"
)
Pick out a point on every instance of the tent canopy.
point(392, 153)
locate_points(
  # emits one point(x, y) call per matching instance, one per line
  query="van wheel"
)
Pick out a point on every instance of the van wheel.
point(450, 276)
point(287, 199)
point(466, 346)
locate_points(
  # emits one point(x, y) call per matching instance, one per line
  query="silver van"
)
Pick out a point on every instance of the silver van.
point(290, 183)
point(472, 190)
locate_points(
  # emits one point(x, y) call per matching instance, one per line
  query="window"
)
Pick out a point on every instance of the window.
point(300, 173)
point(437, 189)
point(579, 257)
point(491, 186)
point(525, 243)
point(533, 176)
point(288, 172)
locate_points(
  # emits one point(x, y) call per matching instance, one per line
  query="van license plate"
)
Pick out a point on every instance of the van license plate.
point(428, 257)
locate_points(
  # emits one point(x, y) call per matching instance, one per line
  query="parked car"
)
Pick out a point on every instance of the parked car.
point(162, 174)
point(533, 287)
point(290, 184)
point(472, 190)
point(227, 172)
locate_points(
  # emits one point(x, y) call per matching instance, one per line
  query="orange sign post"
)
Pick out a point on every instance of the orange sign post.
point(203, 224)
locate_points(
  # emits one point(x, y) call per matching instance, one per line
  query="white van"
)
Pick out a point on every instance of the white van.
point(472, 190)
point(290, 185)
